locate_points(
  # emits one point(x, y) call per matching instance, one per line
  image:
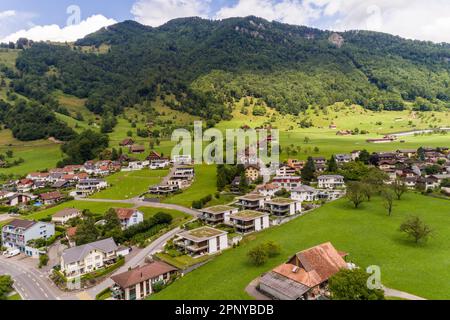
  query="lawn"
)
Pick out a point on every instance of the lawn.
point(178, 216)
point(15, 296)
point(367, 234)
point(95, 207)
point(182, 262)
point(205, 183)
point(127, 185)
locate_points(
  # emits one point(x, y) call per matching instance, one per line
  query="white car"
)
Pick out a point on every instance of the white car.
point(11, 253)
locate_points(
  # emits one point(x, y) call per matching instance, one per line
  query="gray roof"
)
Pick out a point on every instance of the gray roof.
point(285, 286)
point(79, 253)
point(304, 188)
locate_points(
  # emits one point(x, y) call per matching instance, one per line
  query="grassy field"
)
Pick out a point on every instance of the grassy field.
point(127, 185)
point(205, 183)
point(367, 234)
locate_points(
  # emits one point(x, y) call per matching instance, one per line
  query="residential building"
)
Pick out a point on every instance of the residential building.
point(164, 189)
point(252, 172)
point(331, 181)
point(408, 153)
point(287, 182)
point(304, 193)
point(17, 234)
point(154, 156)
point(89, 186)
point(63, 216)
point(321, 161)
point(283, 207)
point(137, 284)
point(38, 176)
point(182, 160)
point(343, 158)
point(186, 172)
point(17, 199)
point(202, 241)
point(249, 221)
point(296, 164)
point(159, 164)
point(427, 183)
point(269, 190)
point(355, 154)
point(251, 201)
point(25, 185)
point(136, 166)
point(51, 198)
point(305, 276)
point(129, 217)
point(217, 214)
point(285, 170)
point(81, 260)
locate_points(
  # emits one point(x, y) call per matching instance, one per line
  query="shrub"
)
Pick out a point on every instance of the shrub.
point(258, 256)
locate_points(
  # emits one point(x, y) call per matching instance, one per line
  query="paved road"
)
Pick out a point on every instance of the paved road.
point(400, 294)
point(5, 217)
point(31, 285)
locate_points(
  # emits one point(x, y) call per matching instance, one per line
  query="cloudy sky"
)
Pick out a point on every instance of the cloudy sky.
point(68, 20)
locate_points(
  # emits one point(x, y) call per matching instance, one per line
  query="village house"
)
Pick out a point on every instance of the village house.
point(18, 233)
point(248, 221)
point(410, 182)
point(137, 149)
point(319, 161)
point(408, 153)
point(285, 170)
point(127, 142)
point(355, 154)
point(25, 185)
point(159, 163)
point(63, 216)
point(129, 217)
point(70, 236)
point(427, 183)
point(181, 160)
point(154, 156)
point(251, 201)
point(386, 139)
point(89, 186)
point(217, 214)
point(252, 172)
point(331, 181)
point(138, 283)
point(343, 158)
point(441, 177)
point(235, 185)
point(51, 198)
point(38, 176)
point(304, 193)
point(287, 182)
point(202, 241)
point(269, 190)
point(18, 199)
point(305, 276)
point(81, 260)
point(295, 164)
point(283, 207)
point(136, 166)
point(344, 133)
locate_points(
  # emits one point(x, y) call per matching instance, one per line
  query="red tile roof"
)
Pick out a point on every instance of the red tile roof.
point(124, 213)
point(138, 275)
point(51, 196)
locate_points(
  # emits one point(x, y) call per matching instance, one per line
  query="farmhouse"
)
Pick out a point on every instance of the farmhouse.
point(137, 149)
point(331, 181)
point(249, 221)
point(136, 284)
point(81, 260)
point(217, 214)
point(65, 215)
point(305, 276)
point(283, 207)
point(127, 142)
point(129, 217)
point(202, 241)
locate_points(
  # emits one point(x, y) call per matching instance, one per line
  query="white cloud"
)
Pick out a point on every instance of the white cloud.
point(157, 12)
point(7, 14)
point(58, 34)
point(287, 11)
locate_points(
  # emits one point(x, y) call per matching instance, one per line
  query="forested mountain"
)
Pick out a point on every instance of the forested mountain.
point(207, 64)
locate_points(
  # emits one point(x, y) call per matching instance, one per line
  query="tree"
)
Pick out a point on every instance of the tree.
point(421, 154)
point(399, 188)
point(309, 170)
point(375, 178)
point(368, 191)
point(6, 286)
point(243, 183)
point(258, 256)
point(364, 157)
point(355, 193)
point(388, 198)
point(86, 232)
point(352, 285)
point(332, 164)
point(43, 260)
point(416, 229)
point(86, 146)
point(112, 227)
point(9, 153)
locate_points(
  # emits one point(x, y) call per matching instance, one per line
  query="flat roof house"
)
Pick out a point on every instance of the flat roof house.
point(88, 186)
point(65, 215)
point(283, 207)
point(81, 260)
point(17, 233)
point(251, 201)
point(129, 217)
point(217, 214)
point(249, 221)
point(287, 182)
point(136, 284)
point(305, 276)
point(202, 241)
point(331, 181)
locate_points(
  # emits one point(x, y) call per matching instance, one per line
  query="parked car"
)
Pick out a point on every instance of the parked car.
point(11, 253)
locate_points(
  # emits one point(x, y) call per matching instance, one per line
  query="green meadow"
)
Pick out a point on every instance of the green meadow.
point(367, 234)
point(127, 185)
